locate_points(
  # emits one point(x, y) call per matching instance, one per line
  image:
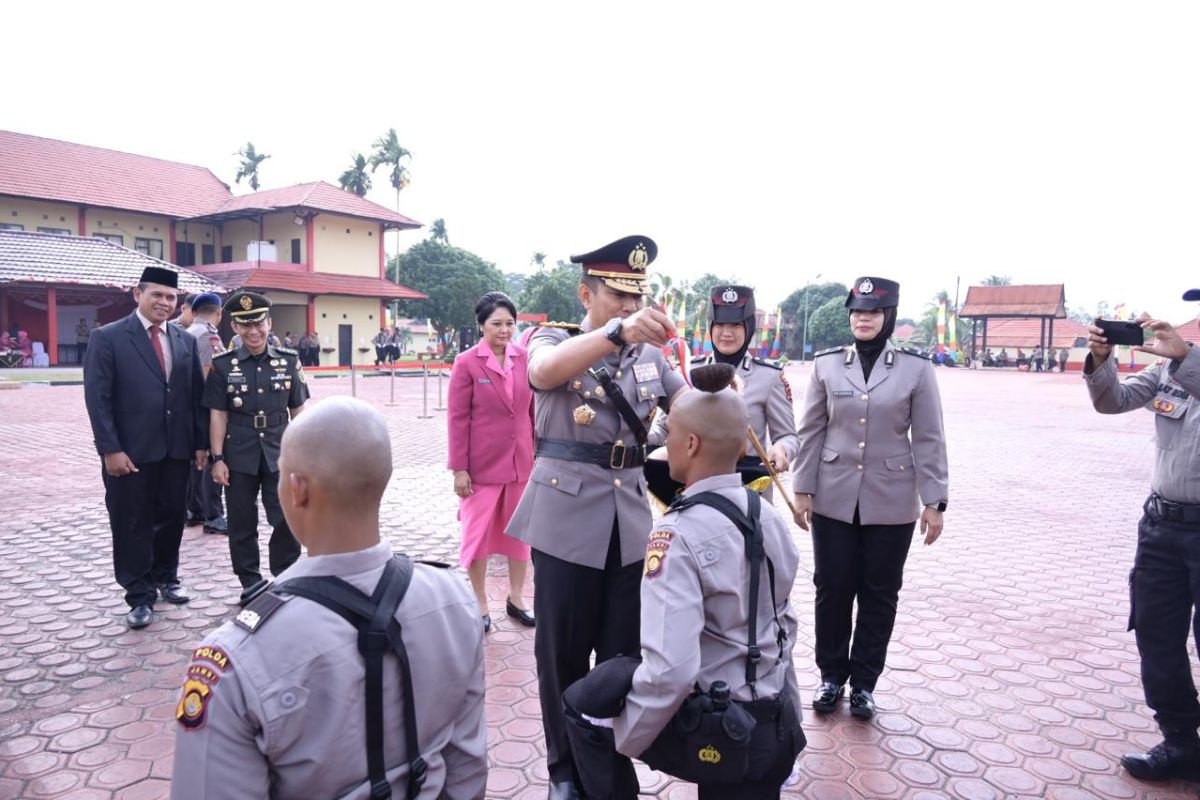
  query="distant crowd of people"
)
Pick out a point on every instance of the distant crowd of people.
point(1040, 360)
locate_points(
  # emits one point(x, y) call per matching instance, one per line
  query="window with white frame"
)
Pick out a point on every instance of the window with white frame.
point(151, 247)
point(56, 231)
point(115, 238)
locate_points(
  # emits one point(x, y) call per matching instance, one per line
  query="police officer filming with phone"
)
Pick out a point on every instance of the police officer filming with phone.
point(273, 702)
point(713, 699)
point(252, 391)
point(1165, 581)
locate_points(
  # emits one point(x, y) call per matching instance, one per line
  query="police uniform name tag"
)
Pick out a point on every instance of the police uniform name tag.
point(643, 373)
point(843, 393)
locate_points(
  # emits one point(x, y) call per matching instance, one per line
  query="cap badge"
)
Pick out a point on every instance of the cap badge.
point(246, 303)
point(866, 287)
point(730, 296)
point(638, 259)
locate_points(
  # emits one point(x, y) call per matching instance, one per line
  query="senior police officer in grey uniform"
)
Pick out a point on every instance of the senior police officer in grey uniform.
point(585, 512)
point(252, 392)
point(764, 387)
point(1165, 581)
point(273, 703)
point(204, 495)
point(873, 453)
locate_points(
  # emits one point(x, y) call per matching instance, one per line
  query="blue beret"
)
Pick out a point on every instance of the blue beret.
point(204, 299)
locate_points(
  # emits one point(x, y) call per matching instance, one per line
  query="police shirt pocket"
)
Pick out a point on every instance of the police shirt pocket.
point(650, 391)
point(899, 463)
point(1168, 420)
point(828, 455)
point(555, 479)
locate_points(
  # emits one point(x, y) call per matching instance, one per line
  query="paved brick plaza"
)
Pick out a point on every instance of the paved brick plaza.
point(1010, 675)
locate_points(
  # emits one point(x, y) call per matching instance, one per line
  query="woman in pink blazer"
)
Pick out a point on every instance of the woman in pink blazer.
point(490, 417)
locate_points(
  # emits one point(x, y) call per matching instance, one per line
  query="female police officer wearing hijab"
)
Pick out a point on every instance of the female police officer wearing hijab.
point(873, 453)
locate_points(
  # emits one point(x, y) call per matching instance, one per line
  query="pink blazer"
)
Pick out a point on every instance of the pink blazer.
point(490, 436)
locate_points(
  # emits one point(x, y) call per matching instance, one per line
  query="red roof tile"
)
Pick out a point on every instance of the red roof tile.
point(49, 169)
point(284, 277)
point(47, 258)
point(1015, 301)
point(320, 196)
point(1027, 333)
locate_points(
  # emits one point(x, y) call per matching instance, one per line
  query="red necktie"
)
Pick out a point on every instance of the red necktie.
point(155, 332)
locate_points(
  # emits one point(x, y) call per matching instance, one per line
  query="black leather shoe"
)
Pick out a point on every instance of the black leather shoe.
point(519, 614)
point(827, 697)
point(487, 623)
point(1164, 761)
point(564, 790)
point(216, 525)
point(139, 617)
point(174, 593)
point(862, 703)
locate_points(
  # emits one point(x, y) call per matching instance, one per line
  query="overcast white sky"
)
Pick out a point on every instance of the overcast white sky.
point(920, 141)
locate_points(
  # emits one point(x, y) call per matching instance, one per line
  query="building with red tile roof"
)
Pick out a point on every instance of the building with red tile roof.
point(314, 249)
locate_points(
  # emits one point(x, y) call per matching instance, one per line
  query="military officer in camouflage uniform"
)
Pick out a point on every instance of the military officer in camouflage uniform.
point(585, 511)
point(252, 391)
point(1164, 584)
point(872, 463)
point(763, 386)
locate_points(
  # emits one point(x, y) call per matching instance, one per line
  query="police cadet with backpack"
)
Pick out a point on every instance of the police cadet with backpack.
point(359, 673)
point(713, 699)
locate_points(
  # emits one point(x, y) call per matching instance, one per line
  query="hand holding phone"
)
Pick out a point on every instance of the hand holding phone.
point(1122, 332)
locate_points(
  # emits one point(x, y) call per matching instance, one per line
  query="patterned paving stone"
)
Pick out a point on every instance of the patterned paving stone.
point(1010, 674)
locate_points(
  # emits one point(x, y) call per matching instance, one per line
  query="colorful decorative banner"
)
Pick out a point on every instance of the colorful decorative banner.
point(777, 345)
point(941, 326)
point(953, 332)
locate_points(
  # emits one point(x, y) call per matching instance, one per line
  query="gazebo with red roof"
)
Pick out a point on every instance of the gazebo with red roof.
point(1043, 303)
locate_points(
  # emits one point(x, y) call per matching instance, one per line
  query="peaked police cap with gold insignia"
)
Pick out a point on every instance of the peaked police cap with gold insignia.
point(868, 294)
point(621, 264)
point(248, 307)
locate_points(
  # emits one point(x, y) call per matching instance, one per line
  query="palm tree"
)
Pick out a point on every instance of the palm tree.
point(356, 178)
point(437, 231)
point(997, 280)
point(249, 165)
point(538, 260)
point(389, 152)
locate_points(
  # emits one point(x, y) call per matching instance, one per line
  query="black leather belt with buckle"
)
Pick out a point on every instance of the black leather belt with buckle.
point(259, 421)
point(1187, 513)
point(617, 455)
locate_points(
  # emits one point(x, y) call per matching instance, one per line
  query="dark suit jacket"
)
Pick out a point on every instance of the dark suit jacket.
point(133, 408)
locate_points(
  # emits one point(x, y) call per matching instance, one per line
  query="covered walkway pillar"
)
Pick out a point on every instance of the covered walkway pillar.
point(52, 325)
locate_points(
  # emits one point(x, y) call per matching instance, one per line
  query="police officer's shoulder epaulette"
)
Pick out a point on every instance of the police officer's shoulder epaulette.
point(287, 350)
point(252, 617)
point(767, 362)
point(227, 352)
point(829, 350)
point(912, 351)
point(570, 327)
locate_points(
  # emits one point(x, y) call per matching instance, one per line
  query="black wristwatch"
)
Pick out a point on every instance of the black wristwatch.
point(937, 506)
point(215, 458)
point(612, 331)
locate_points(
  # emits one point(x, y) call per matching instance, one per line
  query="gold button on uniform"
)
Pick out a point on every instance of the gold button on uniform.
point(554, 481)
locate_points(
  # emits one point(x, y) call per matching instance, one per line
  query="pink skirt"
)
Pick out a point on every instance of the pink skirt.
point(485, 516)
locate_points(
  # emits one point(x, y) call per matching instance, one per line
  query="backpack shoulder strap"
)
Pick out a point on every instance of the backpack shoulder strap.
point(374, 618)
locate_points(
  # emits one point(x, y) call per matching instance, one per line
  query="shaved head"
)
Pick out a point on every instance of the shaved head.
point(334, 465)
point(707, 434)
point(341, 446)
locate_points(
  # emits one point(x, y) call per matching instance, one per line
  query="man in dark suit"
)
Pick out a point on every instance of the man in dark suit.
point(142, 387)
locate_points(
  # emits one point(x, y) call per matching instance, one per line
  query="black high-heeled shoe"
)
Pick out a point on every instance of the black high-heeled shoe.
point(519, 614)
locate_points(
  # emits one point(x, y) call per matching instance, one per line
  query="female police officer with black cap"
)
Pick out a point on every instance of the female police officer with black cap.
point(873, 451)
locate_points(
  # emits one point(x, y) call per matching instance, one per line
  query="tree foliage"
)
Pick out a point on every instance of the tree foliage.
point(389, 153)
point(818, 294)
point(553, 291)
point(997, 280)
point(249, 166)
point(356, 178)
point(453, 278)
point(437, 231)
